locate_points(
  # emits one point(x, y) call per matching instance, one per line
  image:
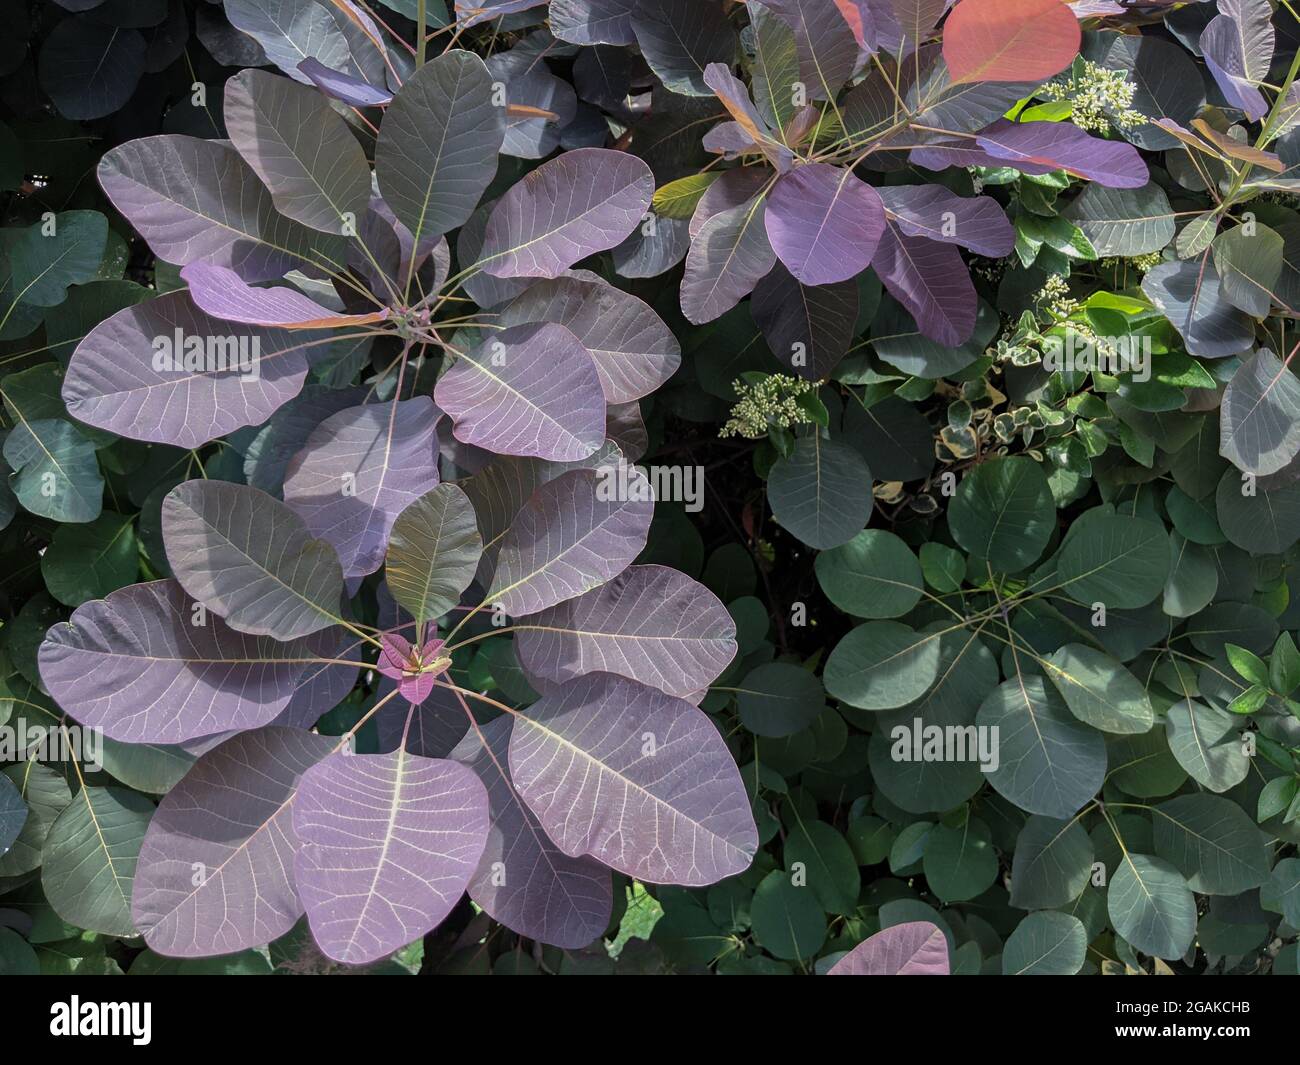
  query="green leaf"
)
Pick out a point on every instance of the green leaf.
point(89, 859)
point(1276, 797)
point(1051, 863)
point(1003, 512)
point(874, 575)
point(1045, 944)
point(881, 665)
point(1050, 762)
point(1204, 739)
point(1284, 665)
point(960, 863)
point(1247, 664)
point(944, 567)
point(55, 253)
point(1283, 890)
point(88, 561)
point(1119, 560)
point(821, 492)
point(1098, 690)
point(829, 865)
point(787, 921)
point(1249, 262)
point(678, 199)
point(779, 699)
point(1212, 842)
point(1249, 701)
point(1151, 906)
point(56, 471)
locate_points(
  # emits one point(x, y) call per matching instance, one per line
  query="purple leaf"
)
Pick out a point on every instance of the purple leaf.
point(575, 205)
point(527, 390)
point(322, 685)
point(130, 376)
point(523, 880)
point(215, 873)
point(733, 188)
point(931, 211)
point(436, 726)
point(828, 50)
point(653, 248)
point(530, 86)
point(358, 471)
point(572, 535)
point(625, 428)
point(650, 623)
point(351, 90)
point(472, 12)
point(633, 350)
point(638, 779)
point(196, 199)
point(808, 327)
point(680, 38)
point(1238, 49)
point(916, 948)
point(1040, 148)
point(593, 21)
point(267, 457)
point(137, 666)
point(224, 295)
point(1189, 294)
point(824, 223)
point(301, 149)
point(388, 845)
point(728, 257)
point(249, 558)
point(931, 281)
point(438, 144)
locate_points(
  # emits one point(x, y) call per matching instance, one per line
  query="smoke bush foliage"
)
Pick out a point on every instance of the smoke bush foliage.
point(344, 628)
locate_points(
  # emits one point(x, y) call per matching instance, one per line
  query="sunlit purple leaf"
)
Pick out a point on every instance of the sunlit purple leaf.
point(633, 350)
point(824, 223)
point(215, 873)
point(1238, 49)
point(388, 845)
point(916, 948)
point(977, 222)
point(931, 281)
point(527, 390)
point(650, 623)
point(575, 205)
point(223, 294)
point(165, 371)
point(574, 534)
point(137, 666)
point(593, 21)
point(728, 257)
point(346, 87)
point(636, 778)
point(523, 880)
point(358, 471)
point(250, 558)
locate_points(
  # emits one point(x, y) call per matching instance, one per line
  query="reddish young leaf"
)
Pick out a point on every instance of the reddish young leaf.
point(1009, 40)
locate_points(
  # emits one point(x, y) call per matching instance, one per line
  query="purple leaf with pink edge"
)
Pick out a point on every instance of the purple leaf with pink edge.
point(808, 327)
point(346, 87)
point(1238, 48)
point(121, 380)
point(358, 471)
point(650, 623)
point(931, 281)
point(523, 880)
point(735, 97)
point(229, 817)
point(824, 223)
point(222, 293)
point(388, 845)
point(580, 203)
point(136, 666)
point(916, 948)
point(531, 389)
point(574, 534)
point(414, 669)
point(668, 810)
point(633, 350)
point(728, 257)
point(931, 211)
